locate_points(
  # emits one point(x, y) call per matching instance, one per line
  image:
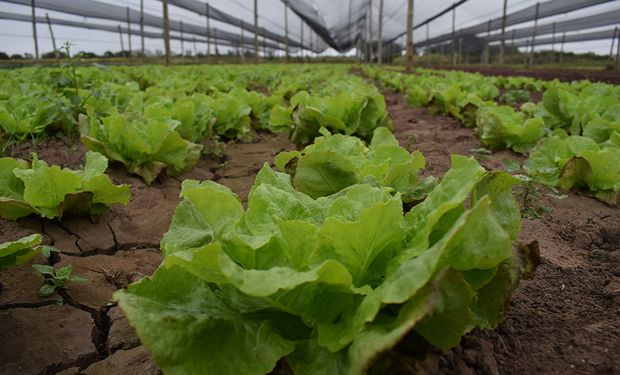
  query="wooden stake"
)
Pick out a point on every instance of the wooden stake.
point(49, 24)
point(166, 31)
point(486, 44)
point(380, 41)
point(302, 38)
point(34, 31)
point(409, 59)
point(552, 43)
point(502, 35)
point(370, 46)
point(613, 40)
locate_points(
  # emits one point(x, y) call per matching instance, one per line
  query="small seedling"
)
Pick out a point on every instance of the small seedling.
point(55, 279)
point(529, 192)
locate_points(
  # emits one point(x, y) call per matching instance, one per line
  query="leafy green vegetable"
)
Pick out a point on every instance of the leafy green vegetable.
point(20, 251)
point(327, 283)
point(500, 127)
point(577, 162)
point(52, 191)
point(334, 162)
point(146, 145)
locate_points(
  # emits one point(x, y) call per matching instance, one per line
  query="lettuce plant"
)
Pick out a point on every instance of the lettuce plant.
point(577, 162)
point(500, 127)
point(51, 191)
point(20, 251)
point(357, 111)
point(146, 144)
point(334, 162)
point(328, 283)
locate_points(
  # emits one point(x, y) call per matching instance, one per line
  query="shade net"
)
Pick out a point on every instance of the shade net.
point(317, 25)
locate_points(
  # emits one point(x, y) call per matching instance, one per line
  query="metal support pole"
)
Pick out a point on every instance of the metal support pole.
point(208, 31)
point(613, 40)
point(486, 44)
point(182, 41)
point(49, 24)
point(552, 43)
point(142, 27)
point(513, 46)
point(34, 31)
point(459, 59)
point(502, 35)
point(409, 59)
point(120, 34)
point(166, 31)
point(534, 34)
point(618, 52)
point(242, 41)
point(129, 31)
point(428, 50)
point(454, 36)
point(286, 28)
point(380, 41)
point(195, 50)
point(370, 46)
point(562, 47)
point(256, 29)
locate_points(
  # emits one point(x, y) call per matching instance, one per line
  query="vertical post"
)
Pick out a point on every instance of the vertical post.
point(409, 59)
point(208, 31)
point(454, 36)
point(166, 31)
point(513, 46)
point(618, 52)
point(370, 46)
point(129, 31)
point(195, 50)
point(34, 31)
point(264, 46)
point(534, 34)
point(380, 40)
point(459, 59)
point(562, 47)
point(182, 41)
point(613, 40)
point(120, 34)
point(302, 38)
point(552, 43)
point(502, 35)
point(49, 24)
point(286, 28)
point(428, 50)
point(256, 29)
point(142, 27)
point(486, 44)
point(242, 44)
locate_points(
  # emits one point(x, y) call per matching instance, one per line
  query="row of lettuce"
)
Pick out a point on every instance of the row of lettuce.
point(572, 135)
point(152, 118)
point(326, 267)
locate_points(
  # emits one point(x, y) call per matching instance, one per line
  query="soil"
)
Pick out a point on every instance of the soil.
point(566, 319)
point(607, 76)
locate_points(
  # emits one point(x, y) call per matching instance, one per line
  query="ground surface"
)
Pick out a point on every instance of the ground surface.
point(565, 75)
point(564, 320)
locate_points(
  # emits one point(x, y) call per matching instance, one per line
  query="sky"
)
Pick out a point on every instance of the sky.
point(16, 37)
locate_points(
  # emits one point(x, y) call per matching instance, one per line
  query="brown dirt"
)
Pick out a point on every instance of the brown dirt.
point(78, 331)
point(567, 318)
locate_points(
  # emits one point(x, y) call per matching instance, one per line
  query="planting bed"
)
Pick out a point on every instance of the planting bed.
point(566, 319)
